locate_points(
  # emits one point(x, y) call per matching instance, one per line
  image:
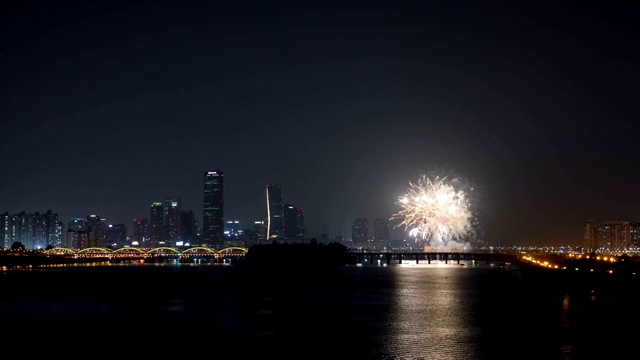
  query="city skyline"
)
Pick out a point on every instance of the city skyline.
point(212, 186)
point(604, 234)
point(110, 106)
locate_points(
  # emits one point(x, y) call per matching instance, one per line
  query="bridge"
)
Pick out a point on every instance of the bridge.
point(413, 256)
point(200, 254)
point(203, 254)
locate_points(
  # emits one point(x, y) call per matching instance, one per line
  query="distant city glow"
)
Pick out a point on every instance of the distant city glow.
point(437, 213)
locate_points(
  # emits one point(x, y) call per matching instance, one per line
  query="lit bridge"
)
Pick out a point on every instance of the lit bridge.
point(400, 257)
point(199, 254)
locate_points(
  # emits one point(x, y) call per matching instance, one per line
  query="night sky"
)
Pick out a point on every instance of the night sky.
point(107, 107)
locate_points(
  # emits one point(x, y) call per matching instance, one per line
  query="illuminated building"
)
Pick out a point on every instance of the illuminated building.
point(155, 224)
point(34, 231)
point(96, 228)
point(275, 213)
point(171, 220)
point(213, 209)
point(611, 236)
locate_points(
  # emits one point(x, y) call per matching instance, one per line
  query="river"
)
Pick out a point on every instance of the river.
point(372, 311)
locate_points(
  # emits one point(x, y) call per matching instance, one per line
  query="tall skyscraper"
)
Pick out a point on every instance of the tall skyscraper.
point(294, 224)
point(213, 211)
point(96, 228)
point(301, 224)
point(155, 224)
point(275, 213)
point(171, 220)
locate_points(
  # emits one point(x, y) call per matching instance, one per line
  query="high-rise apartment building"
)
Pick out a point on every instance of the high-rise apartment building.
point(611, 236)
point(96, 228)
point(34, 231)
point(75, 226)
point(275, 213)
point(7, 235)
point(213, 210)
point(171, 220)
point(78, 239)
point(155, 225)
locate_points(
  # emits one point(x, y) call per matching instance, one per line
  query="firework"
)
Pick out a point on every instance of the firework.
point(436, 211)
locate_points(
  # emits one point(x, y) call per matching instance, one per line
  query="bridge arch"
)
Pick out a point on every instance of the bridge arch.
point(198, 249)
point(163, 249)
point(61, 250)
point(233, 249)
point(95, 250)
point(129, 250)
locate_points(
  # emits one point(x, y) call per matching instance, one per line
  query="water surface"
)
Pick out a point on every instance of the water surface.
point(399, 311)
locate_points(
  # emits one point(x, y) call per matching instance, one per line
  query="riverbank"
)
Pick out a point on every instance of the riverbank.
point(617, 277)
point(17, 260)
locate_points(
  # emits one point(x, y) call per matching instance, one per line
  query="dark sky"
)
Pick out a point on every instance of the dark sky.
point(107, 107)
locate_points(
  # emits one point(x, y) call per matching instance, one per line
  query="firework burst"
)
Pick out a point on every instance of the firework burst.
point(436, 210)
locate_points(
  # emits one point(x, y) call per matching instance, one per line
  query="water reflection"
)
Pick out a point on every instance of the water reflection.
point(430, 316)
point(396, 311)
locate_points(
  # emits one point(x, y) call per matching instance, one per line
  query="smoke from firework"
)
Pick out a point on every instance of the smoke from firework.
point(437, 212)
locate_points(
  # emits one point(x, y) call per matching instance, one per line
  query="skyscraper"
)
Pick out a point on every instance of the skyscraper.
point(275, 212)
point(155, 224)
point(213, 211)
point(96, 228)
point(294, 224)
point(171, 220)
point(301, 224)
